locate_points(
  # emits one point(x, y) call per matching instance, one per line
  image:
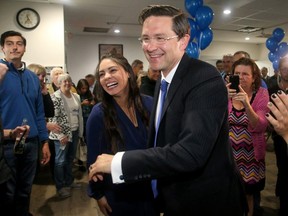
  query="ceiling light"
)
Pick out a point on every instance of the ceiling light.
point(116, 31)
point(227, 11)
point(247, 38)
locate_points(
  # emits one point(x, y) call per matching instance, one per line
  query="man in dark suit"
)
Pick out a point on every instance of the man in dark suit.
point(191, 156)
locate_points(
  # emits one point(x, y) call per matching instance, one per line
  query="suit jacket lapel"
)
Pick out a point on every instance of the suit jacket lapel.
point(174, 85)
point(170, 94)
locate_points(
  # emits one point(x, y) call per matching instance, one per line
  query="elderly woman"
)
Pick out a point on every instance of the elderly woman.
point(280, 144)
point(54, 86)
point(118, 123)
point(247, 122)
point(68, 114)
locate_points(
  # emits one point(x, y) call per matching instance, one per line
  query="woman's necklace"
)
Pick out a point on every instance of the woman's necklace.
point(131, 114)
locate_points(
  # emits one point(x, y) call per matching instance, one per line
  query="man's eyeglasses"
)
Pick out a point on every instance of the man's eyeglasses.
point(158, 39)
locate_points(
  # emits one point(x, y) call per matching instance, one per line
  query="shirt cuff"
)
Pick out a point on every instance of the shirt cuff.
point(116, 168)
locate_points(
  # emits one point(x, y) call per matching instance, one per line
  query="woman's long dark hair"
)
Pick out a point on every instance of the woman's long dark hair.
point(113, 132)
point(80, 84)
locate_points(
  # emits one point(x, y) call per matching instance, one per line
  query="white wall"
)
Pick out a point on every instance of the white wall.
point(45, 44)
point(82, 52)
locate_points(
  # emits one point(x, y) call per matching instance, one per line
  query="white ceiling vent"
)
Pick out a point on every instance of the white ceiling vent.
point(249, 29)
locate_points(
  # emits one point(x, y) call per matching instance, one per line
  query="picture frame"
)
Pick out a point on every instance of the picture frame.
point(110, 48)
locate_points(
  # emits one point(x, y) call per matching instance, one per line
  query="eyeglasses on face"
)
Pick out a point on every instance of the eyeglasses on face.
point(157, 39)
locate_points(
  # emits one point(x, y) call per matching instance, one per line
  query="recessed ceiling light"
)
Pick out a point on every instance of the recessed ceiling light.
point(116, 31)
point(247, 38)
point(227, 11)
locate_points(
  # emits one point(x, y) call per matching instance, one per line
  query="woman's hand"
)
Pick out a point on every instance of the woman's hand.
point(231, 92)
point(54, 127)
point(104, 206)
point(64, 140)
point(242, 96)
point(280, 111)
point(86, 102)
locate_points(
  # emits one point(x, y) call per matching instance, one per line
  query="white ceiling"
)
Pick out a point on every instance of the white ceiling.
point(123, 14)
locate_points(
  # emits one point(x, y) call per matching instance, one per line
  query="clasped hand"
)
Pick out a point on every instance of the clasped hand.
point(100, 166)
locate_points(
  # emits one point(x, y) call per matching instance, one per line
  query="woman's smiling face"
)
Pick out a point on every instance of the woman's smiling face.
point(113, 78)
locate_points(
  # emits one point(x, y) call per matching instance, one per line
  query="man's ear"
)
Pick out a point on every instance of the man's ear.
point(184, 41)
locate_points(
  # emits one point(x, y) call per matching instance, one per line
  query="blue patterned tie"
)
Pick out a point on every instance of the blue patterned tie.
point(163, 89)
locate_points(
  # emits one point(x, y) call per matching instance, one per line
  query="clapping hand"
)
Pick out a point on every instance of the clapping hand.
point(280, 111)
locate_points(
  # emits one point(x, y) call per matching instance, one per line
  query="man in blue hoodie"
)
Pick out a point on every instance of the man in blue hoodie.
point(21, 98)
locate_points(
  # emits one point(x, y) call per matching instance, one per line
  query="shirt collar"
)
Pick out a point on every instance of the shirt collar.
point(170, 75)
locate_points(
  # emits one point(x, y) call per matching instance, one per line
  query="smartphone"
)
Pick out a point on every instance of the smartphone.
point(19, 145)
point(234, 80)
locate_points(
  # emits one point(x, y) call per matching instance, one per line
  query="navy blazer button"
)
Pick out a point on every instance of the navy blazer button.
point(121, 177)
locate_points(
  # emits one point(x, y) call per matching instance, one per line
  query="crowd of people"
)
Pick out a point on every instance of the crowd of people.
point(178, 140)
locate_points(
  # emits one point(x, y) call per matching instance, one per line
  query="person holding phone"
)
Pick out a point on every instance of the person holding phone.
point(87, 103)
point(247, 125)
point(234, 80)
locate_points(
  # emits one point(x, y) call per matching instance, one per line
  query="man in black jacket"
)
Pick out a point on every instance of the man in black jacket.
point(148, 82)
point(190, 155)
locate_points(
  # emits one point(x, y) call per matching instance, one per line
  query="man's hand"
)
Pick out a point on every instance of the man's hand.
point(101, 165)
point(3, 71)
point(45, 154)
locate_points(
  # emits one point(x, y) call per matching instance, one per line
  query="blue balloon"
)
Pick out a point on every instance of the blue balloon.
point(193, 28)
point(273, 56)
point(278, 34)
point(192, 6)
point(276, 64)
point(282, 49)
point(206, 38)
point(204, 16)
point(192, 50)
point(271, 44)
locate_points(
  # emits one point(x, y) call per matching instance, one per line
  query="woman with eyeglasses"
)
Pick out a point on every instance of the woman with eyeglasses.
point(280, 145)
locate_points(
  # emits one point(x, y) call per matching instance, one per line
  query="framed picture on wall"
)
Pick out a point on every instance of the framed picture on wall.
point(110, 48)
